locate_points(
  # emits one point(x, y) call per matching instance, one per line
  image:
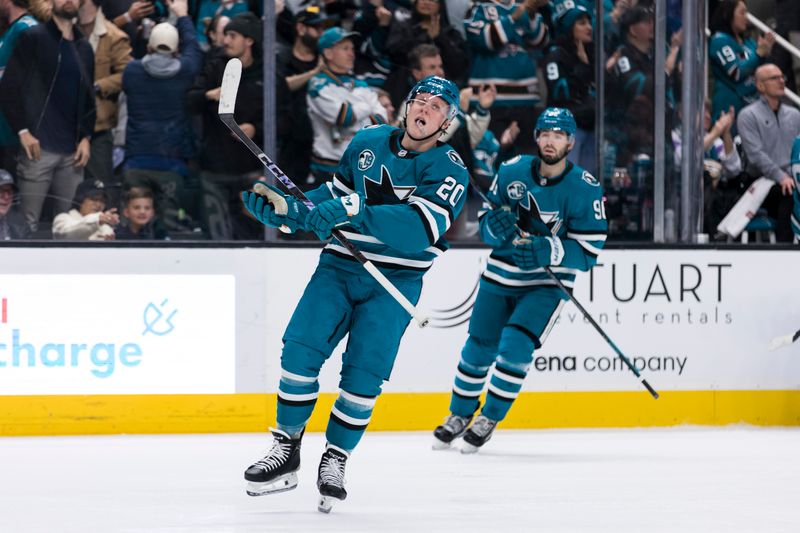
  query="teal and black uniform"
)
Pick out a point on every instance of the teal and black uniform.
point(411, 201)
point(516, 307)
point(403, 202)
point(795, 162)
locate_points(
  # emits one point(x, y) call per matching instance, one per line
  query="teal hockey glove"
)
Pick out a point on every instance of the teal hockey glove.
point(331, 213)
point(501, 223)
point(273, 208)
point(531, 253)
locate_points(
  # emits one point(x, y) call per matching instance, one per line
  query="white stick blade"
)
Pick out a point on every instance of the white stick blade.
point(230, 86)
point(780, 342)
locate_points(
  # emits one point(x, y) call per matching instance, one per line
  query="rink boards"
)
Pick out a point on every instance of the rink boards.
point(173, 340)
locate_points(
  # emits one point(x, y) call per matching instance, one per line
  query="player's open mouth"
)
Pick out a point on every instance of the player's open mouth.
point(420, 122)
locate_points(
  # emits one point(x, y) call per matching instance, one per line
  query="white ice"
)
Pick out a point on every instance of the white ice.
point(686, 479)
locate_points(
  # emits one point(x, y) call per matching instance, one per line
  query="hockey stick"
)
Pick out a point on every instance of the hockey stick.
point(574, 300)
point(786, 340)
point(227, 103)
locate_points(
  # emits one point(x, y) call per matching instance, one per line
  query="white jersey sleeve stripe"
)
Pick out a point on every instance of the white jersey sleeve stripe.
point(430, 219)
point(524, 283)
point(589, 248)
point(341, 186)
point(586, 236)
point(383, 258)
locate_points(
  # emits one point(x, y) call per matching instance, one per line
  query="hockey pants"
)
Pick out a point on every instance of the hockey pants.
point(504, 330)
point(336, 303)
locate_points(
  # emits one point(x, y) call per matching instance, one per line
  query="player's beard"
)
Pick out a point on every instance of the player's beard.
point(553, 159)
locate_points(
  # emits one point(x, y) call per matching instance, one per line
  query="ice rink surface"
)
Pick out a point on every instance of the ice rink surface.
point(732, 479)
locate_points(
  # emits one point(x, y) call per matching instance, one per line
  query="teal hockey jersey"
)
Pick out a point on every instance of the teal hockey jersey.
point(412, 198)
point(499, 51)
point(568, 207)
point(733, 67)
point(795, 162)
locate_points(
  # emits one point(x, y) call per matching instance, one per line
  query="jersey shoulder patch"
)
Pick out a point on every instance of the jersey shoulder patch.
point(455, 158)
point(588, 178)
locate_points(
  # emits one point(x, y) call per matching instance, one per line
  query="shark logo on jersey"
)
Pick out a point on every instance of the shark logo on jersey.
point(516, 190)
point(365, 159)
point(588, 178)
point(455, 158)
point(384, 191)
point(533, 220)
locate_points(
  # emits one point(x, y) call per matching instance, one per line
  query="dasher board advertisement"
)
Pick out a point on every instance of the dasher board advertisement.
point(688, 319)
point(117, 334)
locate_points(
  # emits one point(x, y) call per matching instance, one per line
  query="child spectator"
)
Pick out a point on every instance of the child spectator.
point(140, 221)
point(88, 219)
point(158, 134)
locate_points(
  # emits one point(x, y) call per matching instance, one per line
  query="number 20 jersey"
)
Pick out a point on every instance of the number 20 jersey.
point(412, 199)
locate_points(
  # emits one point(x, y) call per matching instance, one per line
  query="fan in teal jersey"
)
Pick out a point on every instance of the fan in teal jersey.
point(795, 162)
point(395, 194)
point(734, 57)
point(559, 208)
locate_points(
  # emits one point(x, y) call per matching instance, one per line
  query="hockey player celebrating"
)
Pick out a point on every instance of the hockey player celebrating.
point(558, 208)
point(395, 194)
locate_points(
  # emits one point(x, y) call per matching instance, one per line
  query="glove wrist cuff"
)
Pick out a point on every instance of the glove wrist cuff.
point(352, 204)
point(556, 250)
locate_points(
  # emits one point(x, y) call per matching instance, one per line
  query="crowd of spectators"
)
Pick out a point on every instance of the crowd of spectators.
point(108, 108)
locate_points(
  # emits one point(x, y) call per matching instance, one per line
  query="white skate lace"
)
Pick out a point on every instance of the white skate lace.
point(482, 426)
point(455, 424)
point(332, 471)
point(276, 455)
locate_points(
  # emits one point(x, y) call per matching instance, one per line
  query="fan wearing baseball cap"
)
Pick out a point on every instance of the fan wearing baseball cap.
point(88, 219)
point(226, 164)
point(298, 64)
point(338, 103)
point(159, 136)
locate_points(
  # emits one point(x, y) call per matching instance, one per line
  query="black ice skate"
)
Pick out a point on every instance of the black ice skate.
point(453, 427)
point(277, 471)
point(330, 481)
point(478, 434)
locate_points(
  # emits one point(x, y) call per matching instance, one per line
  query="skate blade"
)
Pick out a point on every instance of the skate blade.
point(440, 444)
point(281, 484)
point(467, 448)
point(326, 504)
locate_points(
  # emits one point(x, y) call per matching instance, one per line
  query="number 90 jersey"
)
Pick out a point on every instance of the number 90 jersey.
point(411, 198)
point(568, 207)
